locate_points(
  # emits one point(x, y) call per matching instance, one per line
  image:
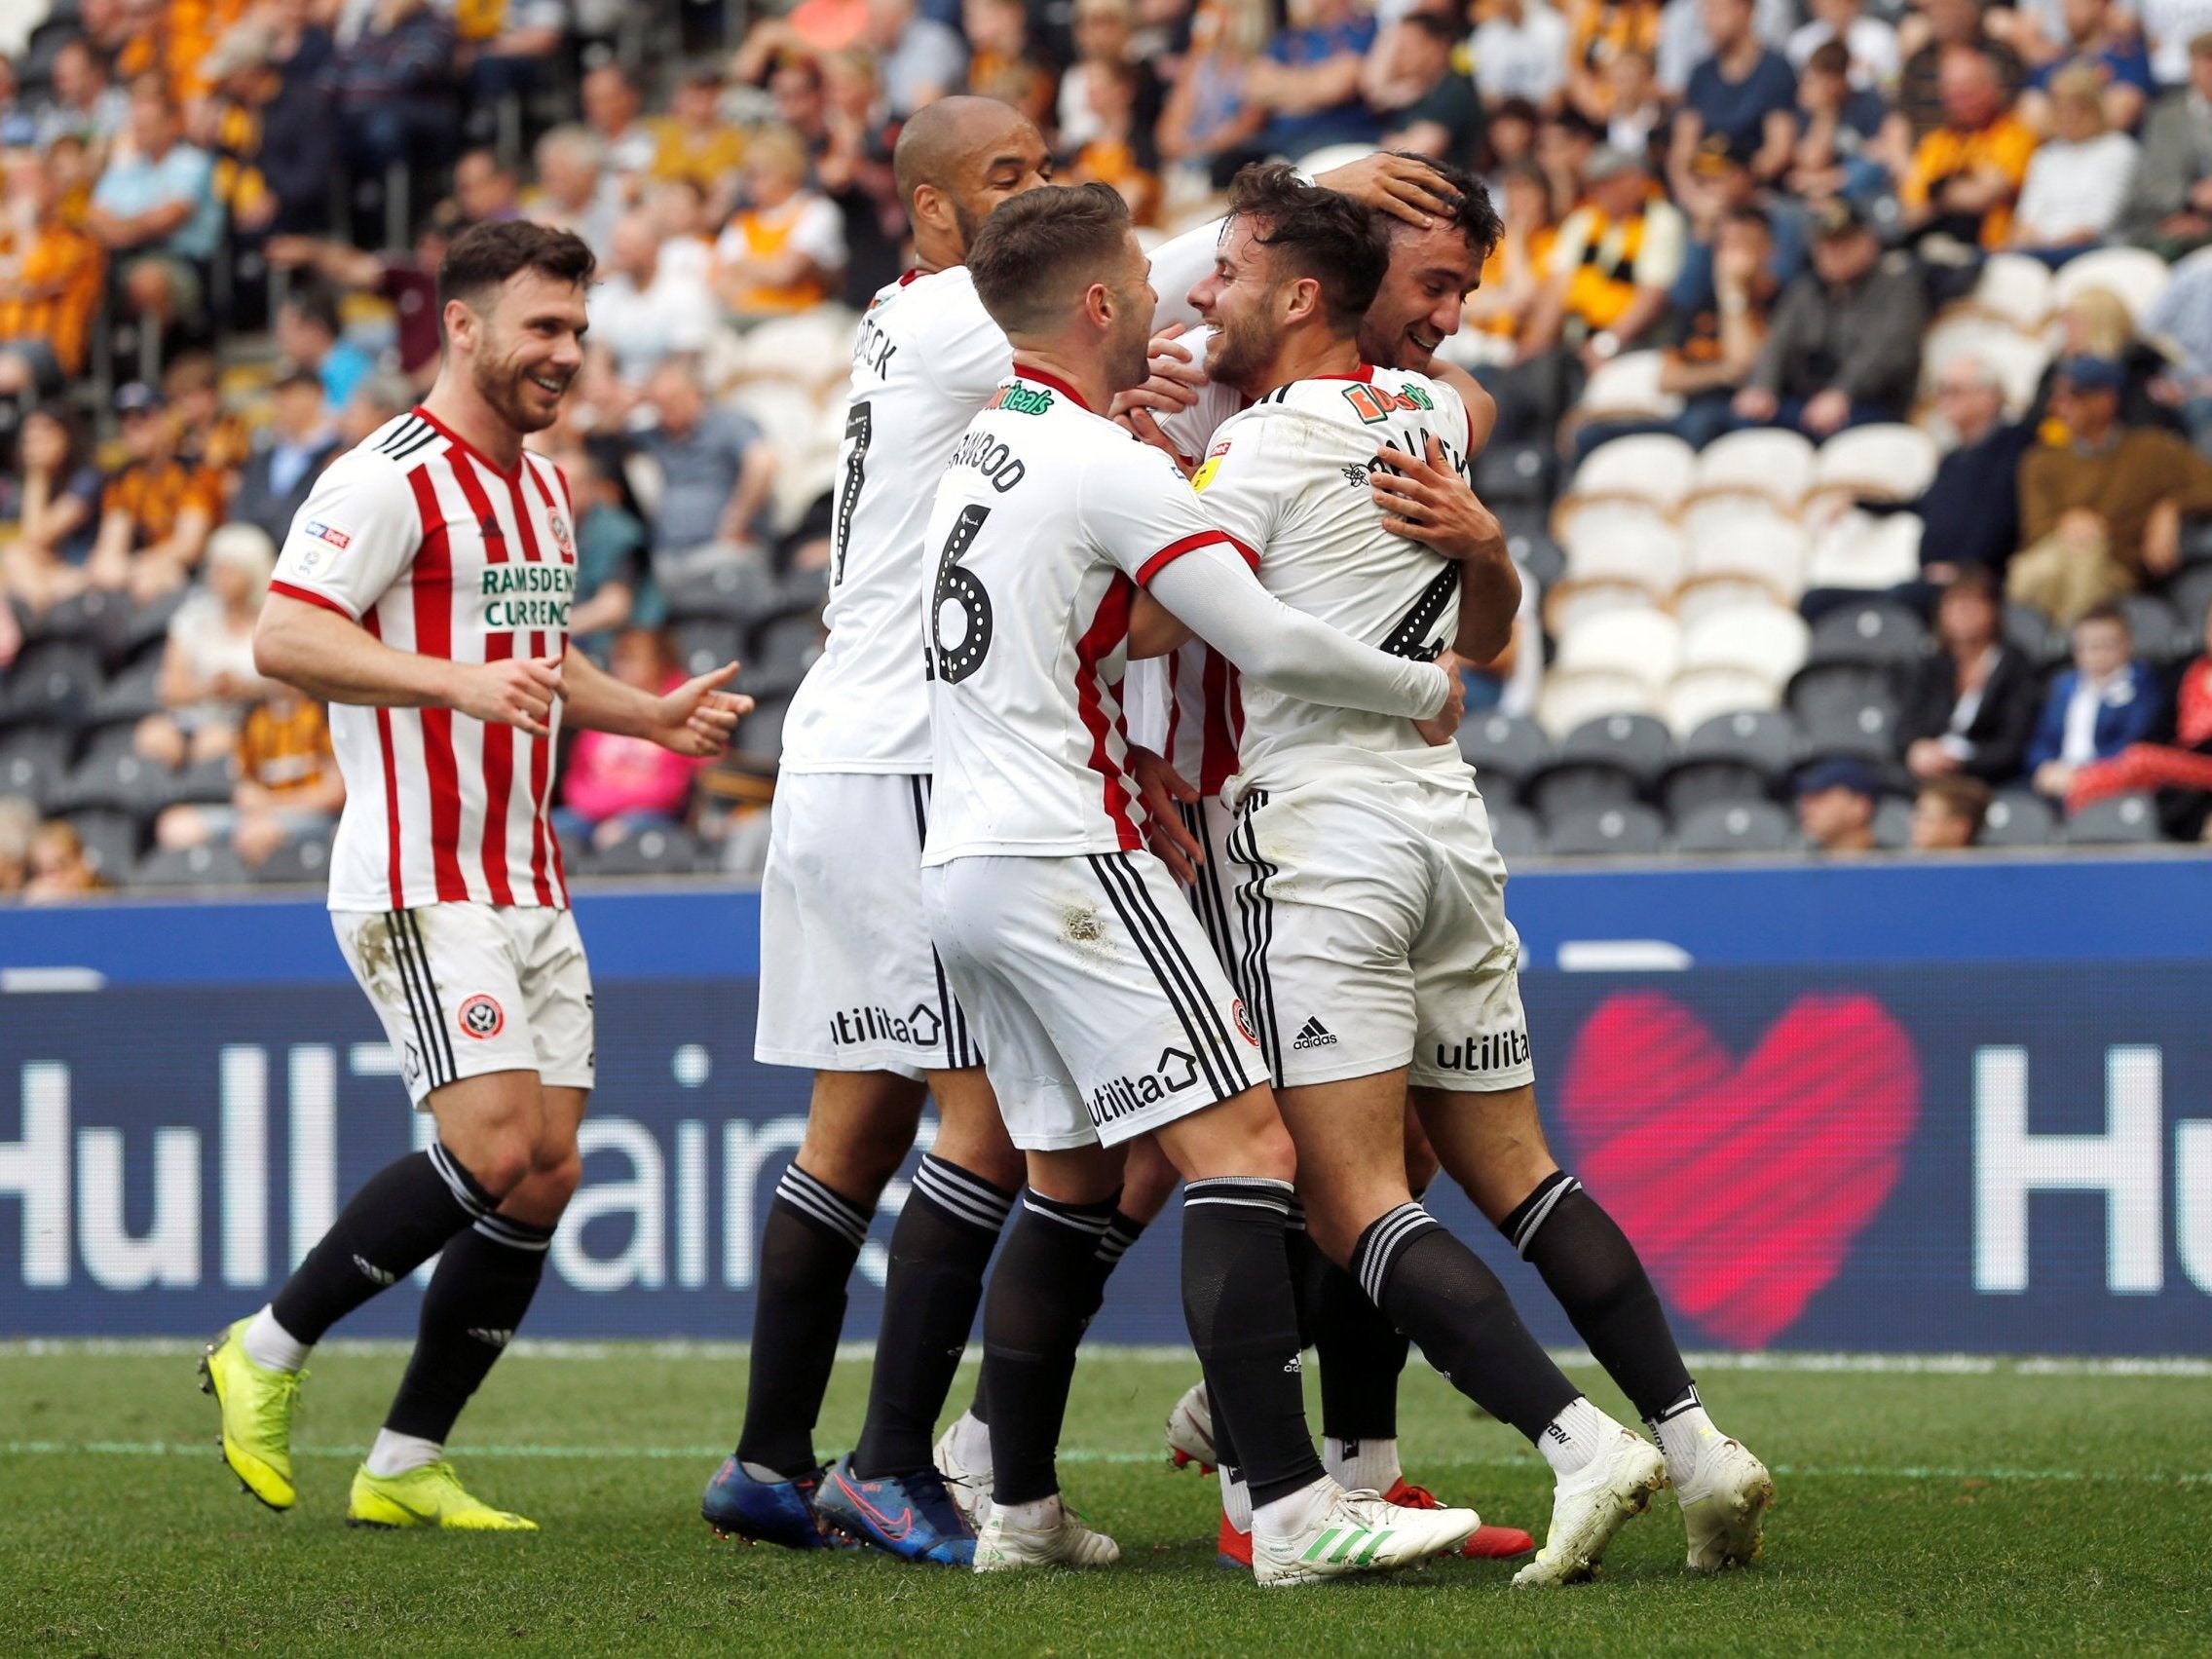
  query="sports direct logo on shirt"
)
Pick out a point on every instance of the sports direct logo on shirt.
point(329, 533)
point(518, 596)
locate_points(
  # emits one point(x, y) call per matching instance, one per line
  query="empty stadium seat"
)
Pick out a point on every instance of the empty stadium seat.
point(1866, 551)
point(2034, 635)
point(1626, 388)
point(1645, 643)
point(2136, 275)
point(111, 841)
point(1769, 740)
point(2118, 820)
point(213, 866)
point(129, 696)
point(1696, 696)
point(649, 852)
point(2015, 290)
point(1513, 832)
point(117, 780)
point(1736, 826)
point(761, 733)
point(1630, 830)
point(33, 761)
point(1691, 785)
point(1746, 547)
point(1635, 743)
point(704, 643)
point(2017, 818)
point(780, 654)
point(2161, 638)
point(1846, 709)
point(1569, 699)
point(1502, 745)
point(208, 784)
point(2190, 592)
point(1650, 467)
point(1883, 462)
point(1566, 787)
point(1869, 631)
point(1764, 639)
point(54, 682)
point(1622, 540)
point(1540, 558)
point(302, 861)
point(96, 617)
point(737, 590)
point(1517, 472)
point(813, 348)
point(1771, 464)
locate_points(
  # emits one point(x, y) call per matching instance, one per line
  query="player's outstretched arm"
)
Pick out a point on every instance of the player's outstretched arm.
point(1288, 650)
point(333, 658)
point(697, 718)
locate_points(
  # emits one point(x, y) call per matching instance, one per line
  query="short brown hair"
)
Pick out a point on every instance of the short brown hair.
point(1962, 797)
point(1024, 257)
point(485, 256)
point(1316, 233)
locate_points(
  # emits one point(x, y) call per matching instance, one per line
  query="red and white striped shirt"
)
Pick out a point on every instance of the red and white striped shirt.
point(418, 537)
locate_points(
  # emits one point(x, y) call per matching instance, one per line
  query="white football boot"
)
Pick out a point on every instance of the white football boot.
point(1724, 1504)
point(1589, 1507)
point(1356, 1532)
point(1068, 1542)
point(1191, 1430)
point(967, 1483)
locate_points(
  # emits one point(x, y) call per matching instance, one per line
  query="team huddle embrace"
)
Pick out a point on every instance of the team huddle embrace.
point(1122, 819)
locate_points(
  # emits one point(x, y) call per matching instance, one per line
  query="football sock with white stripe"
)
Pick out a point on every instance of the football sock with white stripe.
point(1439, 1293)
point(1590, 1265)
point(939, 1250)
point(401, 1216)
point(1360, 1351)
point(1031, 1323)
point(808, 1248)
point(1244, 1323)
point(475, 1302)
point(1121, 1233)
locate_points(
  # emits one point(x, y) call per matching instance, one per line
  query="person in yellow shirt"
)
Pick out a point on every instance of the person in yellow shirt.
point(694, 142)
point(50, 282)
point(1966, 174)
point(784, 251)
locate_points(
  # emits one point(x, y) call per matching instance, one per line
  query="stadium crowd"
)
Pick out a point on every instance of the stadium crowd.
point(1852, 371)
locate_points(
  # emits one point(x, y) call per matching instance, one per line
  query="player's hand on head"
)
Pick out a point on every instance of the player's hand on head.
point(1407, 190)
point(1160, 787)
point(1443, 726)
point(698, 718)
point(1426, 500)
point(517, 692)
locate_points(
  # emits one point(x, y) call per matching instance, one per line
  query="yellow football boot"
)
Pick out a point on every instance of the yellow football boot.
point(431, 1495)
point(257, 1406)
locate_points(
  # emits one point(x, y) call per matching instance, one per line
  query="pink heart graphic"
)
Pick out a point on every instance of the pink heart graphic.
point(1742, 1185)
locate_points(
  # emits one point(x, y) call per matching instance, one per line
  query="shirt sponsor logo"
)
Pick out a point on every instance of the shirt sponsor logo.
point(526, 595)
point(1021, 399)
point(1372, 403)
point(329, 533)
point(1117, 1097)
point(923, 1028)
point(1205, 474)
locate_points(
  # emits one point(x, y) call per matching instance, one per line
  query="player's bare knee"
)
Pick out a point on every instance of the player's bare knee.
point(1148, 1181)
point(970, 1132)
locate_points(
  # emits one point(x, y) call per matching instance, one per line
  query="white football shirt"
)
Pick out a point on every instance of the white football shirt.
point(1047, 521)
point(927, 358)
point(418, 537)
point(1289, 476)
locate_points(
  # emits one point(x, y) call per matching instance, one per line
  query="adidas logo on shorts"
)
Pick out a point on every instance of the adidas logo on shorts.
point(1313, 1035)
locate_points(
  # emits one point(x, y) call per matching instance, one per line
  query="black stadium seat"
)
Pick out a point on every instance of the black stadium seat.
point(1869, 631)
point(1634, 829)
point(1736, 826)
point(2118, 820)
point(1538, 555)
point(703, 643)
point(1692, 786)
point(2161, 637)
point(95, 618)
point(2017, 818)
point(1518, 472)
point(53, 681)
point(1767, 740)
point(130, 695)
point(1502, 745)
point(210, 783)
point(2034, 635)
point(780, 653)
point(117, 780)
point(1846, 709)
point(1515, 831)
point(302, 861)
point(33, 761)
point(649, 852)
point(2190, 592)
point(111, 841)
point(761, 733)
point(737, 591)
point(1637, 743)
point(191, 867)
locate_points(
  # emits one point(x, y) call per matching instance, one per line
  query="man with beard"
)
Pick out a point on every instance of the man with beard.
point(424, 593)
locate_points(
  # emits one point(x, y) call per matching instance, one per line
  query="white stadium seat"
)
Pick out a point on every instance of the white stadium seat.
point(1650, 467)
point(1888, 462)
point(1569, 699)
point(2014, 290)
point(2018, 359)
point(1728, 536)
point(1863, 551)
point(1696, 695)
point(2136, 275)
point(813, 348)
point(1569, 604)
point(1769, 463)
point(1767, 640)
point(1626, 388)
point(1624, 540)
point(1645, 643)
point(786, 414)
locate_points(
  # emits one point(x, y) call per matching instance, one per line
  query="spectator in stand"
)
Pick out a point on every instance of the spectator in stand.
point(2182, 316)
point(286, 789)
point(614, 558)
point(2095, 322)
point(1002, 64)
point(1967, 172)
point(380, 397)
point(309, 333)
point(1565, 145)
point(680, 219)
point(1951, 25)
point(394, 85)
point(693, 142)
point(56, 511)
point(1511, 131)
point(1844, 345)
point(1870, 45)
point(1599, 34)
point(155, 211)
point(2101, 39)
point(58, 868)
point(2105, 703)
point(1104, 32)
point(611, 104)
point(918, 60)
point(2078, 179)
point(1947, 814)
point(208, 678)
point(1839, 132)
point(299, 441)
point(782, 251)
point(485, 189)
point(1726, 327)
point(2169, 210)
point(85, 102)
point(2179, 772)
point(1515, 271)
point(408, 283)
point(18, 829)
point(1743, 94)
point(1521, 52)
point(613, 786)
point(643, 312)
point(1970, 704)
point(716, 473)
point(1836, 799)
point(575, 190)
point(1119, 155)
point(272, 117)
point(504, 46)
point(1430, 107)
point(798, 90)
point(1637, 122)
point(1308, 79)
point(156, 511)
point(2170, 26)
point(1208, 125)
point(1720, 184)
point(1684, 43)
point(208, 433)
point(51, 283)
point(1970, 513)
point(2100, 510)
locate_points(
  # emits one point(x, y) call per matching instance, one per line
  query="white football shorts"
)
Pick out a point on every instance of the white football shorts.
point(1373, 935)
point(848, 979)
point(1102, 1011)
point(468, 989)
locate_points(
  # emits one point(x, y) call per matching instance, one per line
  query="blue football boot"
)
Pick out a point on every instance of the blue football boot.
point(766, 1512)
point(911, 1515)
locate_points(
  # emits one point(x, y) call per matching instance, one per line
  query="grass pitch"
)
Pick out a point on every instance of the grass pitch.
point(2058, 1508)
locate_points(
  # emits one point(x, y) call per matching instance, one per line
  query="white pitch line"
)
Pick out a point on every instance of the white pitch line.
point(686, 1454)
point(559, 1348)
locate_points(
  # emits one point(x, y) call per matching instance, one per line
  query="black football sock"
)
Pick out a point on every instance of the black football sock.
point(473, 1307)
point(939, 1250)
point(1244, 1322)
point(400, 1217)
point(812, 1238)
point(1115, 1243)
point(1439, 1293)
point(1590, 1265)
point(1031, 1323)
point(1359, 1350)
